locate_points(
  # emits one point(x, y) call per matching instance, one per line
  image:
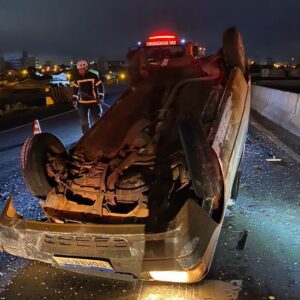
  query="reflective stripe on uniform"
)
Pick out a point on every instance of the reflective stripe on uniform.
point(88, 101)
point(86, 80)
point(93, 84)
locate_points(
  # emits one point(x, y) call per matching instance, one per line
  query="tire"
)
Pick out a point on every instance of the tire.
point(33, 162)
point(233, 50)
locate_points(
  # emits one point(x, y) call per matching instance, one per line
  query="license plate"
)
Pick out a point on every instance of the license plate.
point(93, 264)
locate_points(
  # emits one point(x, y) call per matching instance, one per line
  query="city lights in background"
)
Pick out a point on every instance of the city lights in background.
point(122, 75)
point(68, 76)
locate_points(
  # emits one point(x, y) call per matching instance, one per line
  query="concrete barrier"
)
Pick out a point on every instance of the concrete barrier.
point(281, 107)
point(28, 97)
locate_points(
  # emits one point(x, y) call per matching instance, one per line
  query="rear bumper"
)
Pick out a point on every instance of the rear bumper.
point(188, 245)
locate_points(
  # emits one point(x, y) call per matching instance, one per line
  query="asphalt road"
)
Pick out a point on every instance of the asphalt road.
point(267, 266)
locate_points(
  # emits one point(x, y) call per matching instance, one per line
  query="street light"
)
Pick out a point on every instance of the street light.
point(122, 76)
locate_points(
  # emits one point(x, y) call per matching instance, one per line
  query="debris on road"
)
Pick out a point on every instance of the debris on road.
point(257, 167)
point(236, 283)
point(273, 159)
point(229, 213)
point(231, 202)
point(4, 195)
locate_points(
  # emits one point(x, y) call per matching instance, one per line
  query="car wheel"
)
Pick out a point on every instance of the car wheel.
point(33, 162)
point(233, 50)
point(236, 185)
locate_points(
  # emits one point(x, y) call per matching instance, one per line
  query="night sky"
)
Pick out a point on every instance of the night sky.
point(61, 29)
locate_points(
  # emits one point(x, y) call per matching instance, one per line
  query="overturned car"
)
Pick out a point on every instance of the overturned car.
point(142, 194)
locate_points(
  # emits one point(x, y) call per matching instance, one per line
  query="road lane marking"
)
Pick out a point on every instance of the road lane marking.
point(48, 118)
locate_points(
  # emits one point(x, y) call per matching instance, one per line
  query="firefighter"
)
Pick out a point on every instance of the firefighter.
point(88, 95)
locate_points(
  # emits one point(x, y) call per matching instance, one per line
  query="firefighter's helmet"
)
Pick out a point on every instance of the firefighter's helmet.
point(82, 64)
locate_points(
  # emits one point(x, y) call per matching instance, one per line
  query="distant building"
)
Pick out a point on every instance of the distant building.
point(2, 65)
point(48, 63)
point(73, 63)
point(102, 66)
point(23, 62)
point(29, 62)
point(269, 61)
point(295, 72)
point(15, 62)
point(116, 65)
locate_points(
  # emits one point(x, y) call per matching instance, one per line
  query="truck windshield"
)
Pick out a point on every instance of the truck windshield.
point(158, 53)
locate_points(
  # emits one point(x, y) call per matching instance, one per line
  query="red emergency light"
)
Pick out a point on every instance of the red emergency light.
point(164, 37)
point(162, 40)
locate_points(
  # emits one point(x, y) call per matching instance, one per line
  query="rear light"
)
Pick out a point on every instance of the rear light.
point(192, 275)
point(162, 37)
point(172, 276)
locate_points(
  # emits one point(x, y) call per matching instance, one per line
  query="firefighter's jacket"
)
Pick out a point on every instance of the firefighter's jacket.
point(88, 88)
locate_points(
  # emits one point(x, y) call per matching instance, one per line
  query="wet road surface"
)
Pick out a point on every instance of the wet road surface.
point(257, 256)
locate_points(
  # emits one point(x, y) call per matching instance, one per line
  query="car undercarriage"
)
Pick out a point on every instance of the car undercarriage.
point(146, 166)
